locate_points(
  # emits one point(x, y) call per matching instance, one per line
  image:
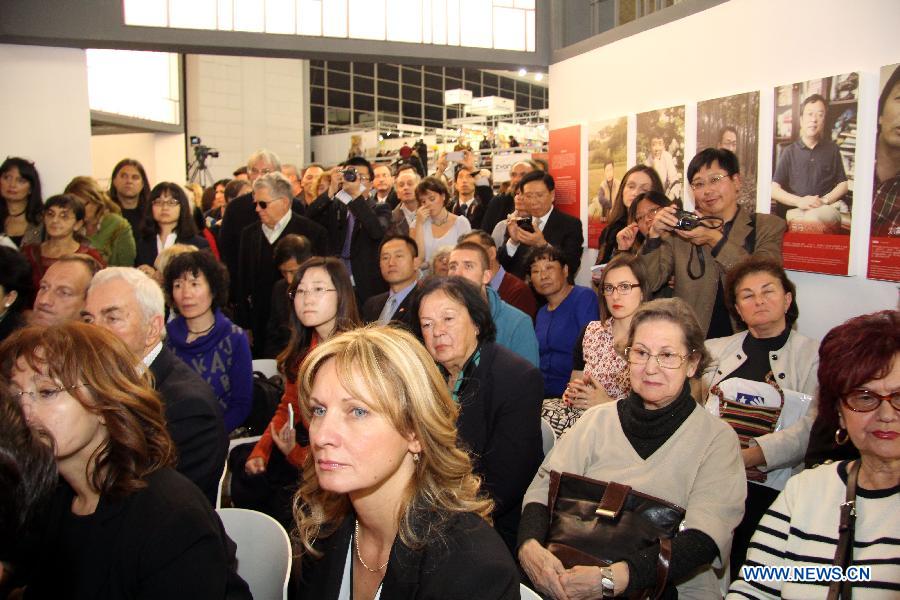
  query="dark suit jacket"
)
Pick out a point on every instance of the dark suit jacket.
point(398, 224)
point(163, 541)
point(500, 424)
point(194, 420)
point(371, 310)
point(241, 212)
point(371, 220)
point(467, 561)
point(476, 211)
point(278, 329)
point(562, 231)
point(496, 211)
point(391, 199)
point(257, 273)
point(147, 252)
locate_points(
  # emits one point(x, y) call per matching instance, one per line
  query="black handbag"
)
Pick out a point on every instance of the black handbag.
point(596, 523)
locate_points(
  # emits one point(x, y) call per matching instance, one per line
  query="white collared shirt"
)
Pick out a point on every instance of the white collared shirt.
point(410, 216)
point(168, 243)
point(539, 222)
point(273, 233)
point(151, 356)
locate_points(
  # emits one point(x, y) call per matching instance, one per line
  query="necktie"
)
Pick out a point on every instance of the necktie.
point(345, 251)
point(388, 311)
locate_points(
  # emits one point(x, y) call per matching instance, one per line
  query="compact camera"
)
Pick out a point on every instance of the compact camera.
point(349, 174)
point(526, 224)
point(687, 221)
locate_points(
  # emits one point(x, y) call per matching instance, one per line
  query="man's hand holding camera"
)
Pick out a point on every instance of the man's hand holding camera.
point(353, 182)
point(667, 221)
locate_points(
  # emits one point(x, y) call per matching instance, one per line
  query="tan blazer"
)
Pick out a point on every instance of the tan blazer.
point(669, 255)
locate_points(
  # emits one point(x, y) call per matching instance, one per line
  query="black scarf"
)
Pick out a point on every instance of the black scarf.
point(647, 430)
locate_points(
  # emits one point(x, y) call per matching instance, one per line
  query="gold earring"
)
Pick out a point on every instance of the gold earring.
point(840, 441)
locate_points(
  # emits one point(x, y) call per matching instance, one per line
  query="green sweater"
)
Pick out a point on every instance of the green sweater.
point(115, 241)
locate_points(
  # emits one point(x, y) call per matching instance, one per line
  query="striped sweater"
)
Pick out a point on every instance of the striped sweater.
point(801, 529)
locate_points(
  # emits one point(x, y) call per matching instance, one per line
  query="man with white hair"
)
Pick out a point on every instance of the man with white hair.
point(257, 272)
point(129, 304)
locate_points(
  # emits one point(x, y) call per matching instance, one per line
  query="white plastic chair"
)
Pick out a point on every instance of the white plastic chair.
point(266, 366)
point(527, 593)
point(263, 551)
point(548, 436)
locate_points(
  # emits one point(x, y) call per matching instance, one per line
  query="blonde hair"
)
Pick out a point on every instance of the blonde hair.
point(88, 191)
point(391, 369)
point(165, 257)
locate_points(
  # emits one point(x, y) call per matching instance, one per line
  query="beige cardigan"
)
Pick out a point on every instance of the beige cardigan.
point(699, 468)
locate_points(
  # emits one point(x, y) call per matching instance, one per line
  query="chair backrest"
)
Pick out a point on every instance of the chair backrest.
point(221, 486)
point(527, 593)
point(547, 435)
point(266, 366)
point(263, 551)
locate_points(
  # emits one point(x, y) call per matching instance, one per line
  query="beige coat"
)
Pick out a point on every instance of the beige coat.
point(669, 255)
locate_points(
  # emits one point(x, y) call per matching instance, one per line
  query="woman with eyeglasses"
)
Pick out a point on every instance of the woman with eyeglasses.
point(637, 180)
point(599, 370)
point(568, 310)
point(763, 362)
point(659, 441)
point(63, 222)
point(435, 225)
point(845, 512)
point(324, 305)
point(122, 522)
point(168, 220)
point(21, 203)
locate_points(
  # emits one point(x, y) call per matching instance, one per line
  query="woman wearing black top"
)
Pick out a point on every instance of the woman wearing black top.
point(168, 220)
point(21, 204)
point(637, 180)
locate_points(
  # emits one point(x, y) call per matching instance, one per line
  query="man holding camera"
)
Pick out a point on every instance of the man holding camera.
point(544, 225)
point(699, 249)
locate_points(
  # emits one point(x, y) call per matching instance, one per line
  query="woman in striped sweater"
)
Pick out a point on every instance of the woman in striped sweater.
point(859, 384)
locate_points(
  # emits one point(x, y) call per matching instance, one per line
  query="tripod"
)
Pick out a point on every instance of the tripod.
point(199, 173)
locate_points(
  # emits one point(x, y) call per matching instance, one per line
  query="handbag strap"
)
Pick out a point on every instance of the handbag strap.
point(844, 552)
point(613, 500)
point(663, 560)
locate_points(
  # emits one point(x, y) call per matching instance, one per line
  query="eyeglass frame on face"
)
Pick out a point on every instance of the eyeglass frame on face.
point(264, 204)
point(534, 195)
point(682, 358)
point(624, 288)
point(699, 185)
point(315, 293)
point(890, 399)
point(170, 202)
point(260, 172)
point(46, 395)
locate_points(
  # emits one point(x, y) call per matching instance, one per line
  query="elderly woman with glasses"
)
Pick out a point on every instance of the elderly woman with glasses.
point(660, 442)
point(845, 512)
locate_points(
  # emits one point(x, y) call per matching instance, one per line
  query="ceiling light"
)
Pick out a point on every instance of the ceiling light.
point(523, 72)
point(538, 76)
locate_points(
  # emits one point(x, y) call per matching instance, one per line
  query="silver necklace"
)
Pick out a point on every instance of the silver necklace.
point(359, 556)
point(437, 223)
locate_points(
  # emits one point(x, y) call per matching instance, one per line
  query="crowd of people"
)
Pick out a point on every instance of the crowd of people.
point(432, 343)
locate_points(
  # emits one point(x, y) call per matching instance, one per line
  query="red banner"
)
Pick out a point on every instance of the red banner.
point(816, 252)
point(565, 166)
point(884, 258)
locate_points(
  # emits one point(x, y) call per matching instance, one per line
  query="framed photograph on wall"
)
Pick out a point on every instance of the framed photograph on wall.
point(732, 123)
point(660, 144)
point(607, 156)
point(884, 236)
point(814, 154)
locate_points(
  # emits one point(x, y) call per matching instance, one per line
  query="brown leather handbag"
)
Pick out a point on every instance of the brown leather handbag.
point(597, 523)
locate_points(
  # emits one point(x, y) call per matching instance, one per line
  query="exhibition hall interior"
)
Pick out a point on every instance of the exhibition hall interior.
point(339, 298)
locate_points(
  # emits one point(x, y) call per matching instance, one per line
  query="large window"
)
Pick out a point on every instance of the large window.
point(144, 85)
point(352, 95)
point(497, 24)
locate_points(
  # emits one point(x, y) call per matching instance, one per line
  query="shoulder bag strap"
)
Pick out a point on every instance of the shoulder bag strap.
point(844, 553)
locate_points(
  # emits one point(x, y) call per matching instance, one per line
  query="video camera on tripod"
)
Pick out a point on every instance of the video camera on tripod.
point(197, 169)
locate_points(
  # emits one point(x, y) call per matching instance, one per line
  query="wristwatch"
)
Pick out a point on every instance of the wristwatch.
point(608, 582)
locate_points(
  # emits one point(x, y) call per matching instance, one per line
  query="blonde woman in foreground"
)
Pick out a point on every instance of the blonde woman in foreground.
point(389, 507)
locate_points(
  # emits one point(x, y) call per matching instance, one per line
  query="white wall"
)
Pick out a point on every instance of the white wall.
point(45, 108)
point(740, 46)
point(238, 105)
point(162, 155)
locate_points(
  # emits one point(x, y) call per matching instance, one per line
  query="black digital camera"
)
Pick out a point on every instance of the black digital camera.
point(349, 174)
point(687, 221)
